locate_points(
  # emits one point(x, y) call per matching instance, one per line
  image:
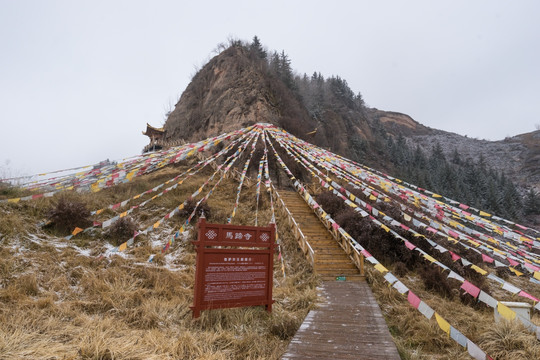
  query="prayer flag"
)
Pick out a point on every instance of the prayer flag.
point(443, 324)
point(381, 268)
point(470, 289)
point(413, 299)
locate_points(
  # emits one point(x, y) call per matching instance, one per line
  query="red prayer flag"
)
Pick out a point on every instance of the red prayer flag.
point(455, 257)
point(365, 253)
point(487, 259)
point(413, 299)
point(528, 296)
point(512, 262)
point(404, 227)
point(470, 288)
point(409, 245)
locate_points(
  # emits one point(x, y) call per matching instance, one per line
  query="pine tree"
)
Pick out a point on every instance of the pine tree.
point(257, 49)
point(532, 203)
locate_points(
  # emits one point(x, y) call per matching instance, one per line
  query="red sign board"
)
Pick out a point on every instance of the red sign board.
point(234, 266)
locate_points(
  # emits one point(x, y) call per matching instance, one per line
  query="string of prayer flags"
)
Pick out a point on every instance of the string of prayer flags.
point(399, 286)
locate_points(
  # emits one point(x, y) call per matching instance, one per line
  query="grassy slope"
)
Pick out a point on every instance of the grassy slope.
point(57, 300)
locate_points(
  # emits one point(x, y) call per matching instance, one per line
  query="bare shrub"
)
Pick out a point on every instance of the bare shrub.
point(121, 230)
point(68, 214)
point(330, 203)
point(189, 206)
point(503, 272)
point(284, 326)
point(435, 280)
point(400, 269)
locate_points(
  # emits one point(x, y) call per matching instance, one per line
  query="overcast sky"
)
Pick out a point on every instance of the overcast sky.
point(79, 80)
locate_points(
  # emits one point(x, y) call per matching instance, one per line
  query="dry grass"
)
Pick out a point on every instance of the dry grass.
point(56, 302)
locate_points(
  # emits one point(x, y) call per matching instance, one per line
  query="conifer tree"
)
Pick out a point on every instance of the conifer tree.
point(257, 49)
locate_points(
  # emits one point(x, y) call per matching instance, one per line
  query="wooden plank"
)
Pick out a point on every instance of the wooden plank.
point(347, 325)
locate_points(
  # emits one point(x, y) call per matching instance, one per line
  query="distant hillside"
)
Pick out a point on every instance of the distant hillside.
point(245, 84)
point(516, 157)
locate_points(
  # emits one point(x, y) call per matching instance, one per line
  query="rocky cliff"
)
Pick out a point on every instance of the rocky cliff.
point(236, 89)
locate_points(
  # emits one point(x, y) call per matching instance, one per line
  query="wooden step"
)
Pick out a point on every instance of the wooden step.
point(331, 262)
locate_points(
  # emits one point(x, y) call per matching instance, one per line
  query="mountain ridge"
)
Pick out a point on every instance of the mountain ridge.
point(244, 85)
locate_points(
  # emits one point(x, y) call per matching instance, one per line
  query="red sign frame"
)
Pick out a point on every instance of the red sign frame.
point(234, 266)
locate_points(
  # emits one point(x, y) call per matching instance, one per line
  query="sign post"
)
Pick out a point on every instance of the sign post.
point(234, 266)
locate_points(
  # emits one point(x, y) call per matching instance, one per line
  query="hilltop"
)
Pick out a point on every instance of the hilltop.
point(246, 84)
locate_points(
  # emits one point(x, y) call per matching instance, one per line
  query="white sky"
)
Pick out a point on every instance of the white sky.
point(79, 80)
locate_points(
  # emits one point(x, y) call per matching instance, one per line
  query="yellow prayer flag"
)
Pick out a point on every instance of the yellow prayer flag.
point(478, 269)
point(385, 228)
point(136, 197)
point(537, 275)
point(123, 214)
point(352, 197)
point(99, 211)
point(16, 200)
point(443, 324)
point(407, 217)
point(429, 258)
point(518, 273)
point(122, 247)
point(380, 268)
point(505, 311)
point(484, 214)
point(436, 195)
point(76, 231)
point(156, 224)
point(372, 198)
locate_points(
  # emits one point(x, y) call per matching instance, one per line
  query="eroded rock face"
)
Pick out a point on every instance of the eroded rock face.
point(230, 92)
point(235, 90)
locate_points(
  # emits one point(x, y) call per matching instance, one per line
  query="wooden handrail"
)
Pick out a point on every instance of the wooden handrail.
point(298, 234)
point(355, 255)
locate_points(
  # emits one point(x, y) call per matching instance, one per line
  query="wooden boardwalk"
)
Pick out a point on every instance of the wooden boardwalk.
point(330, 259)
point(349, 323)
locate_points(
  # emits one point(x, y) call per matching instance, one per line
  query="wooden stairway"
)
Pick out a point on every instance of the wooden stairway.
point(331, 261)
